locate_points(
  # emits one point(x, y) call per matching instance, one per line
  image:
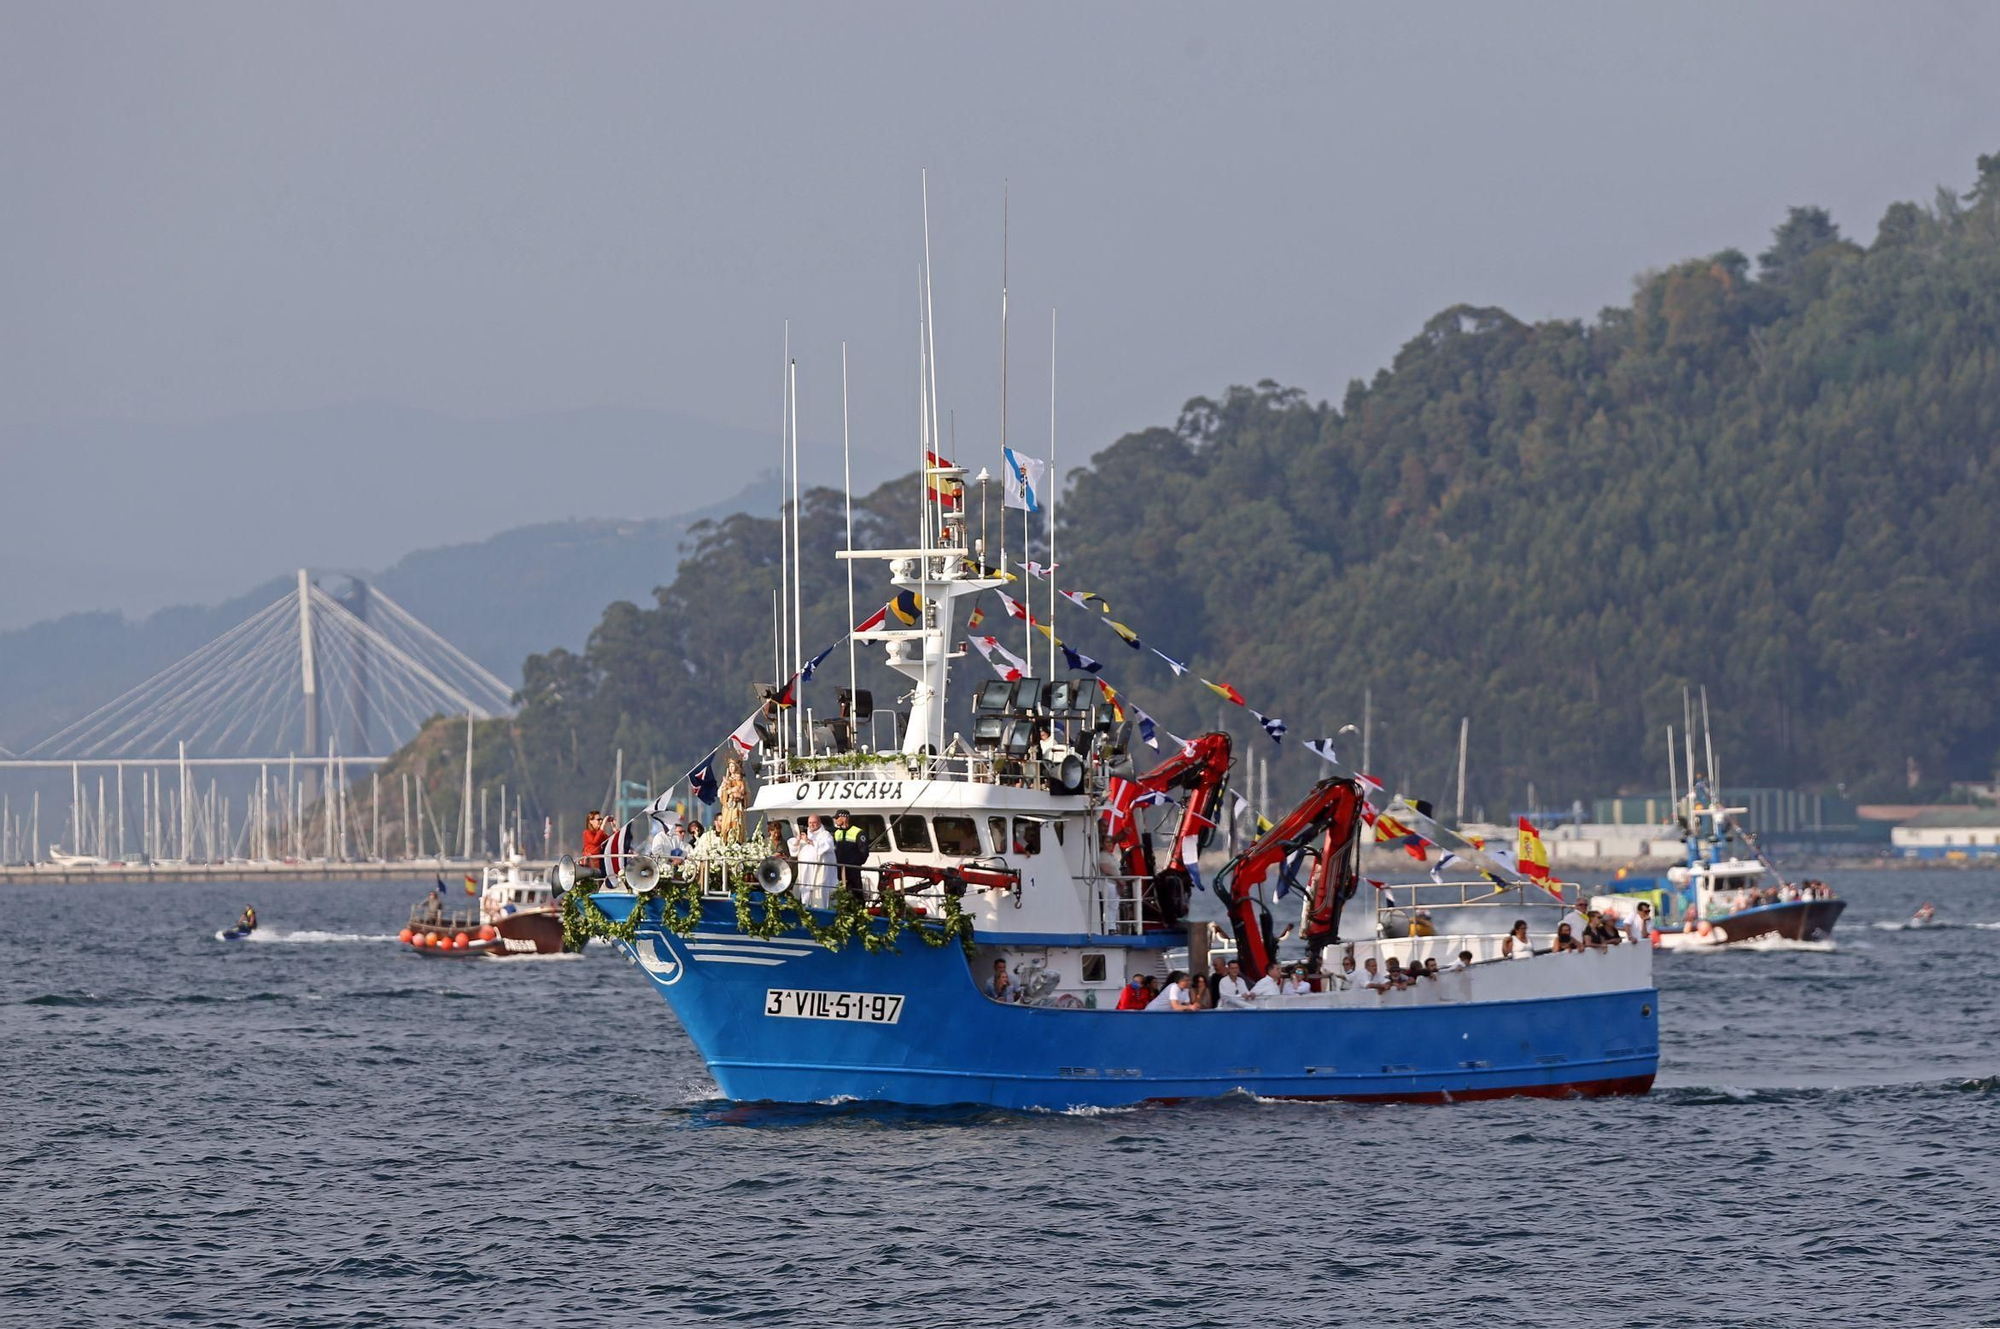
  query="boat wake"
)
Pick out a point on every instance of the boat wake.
point(1891, 925)
point(309, 937)
point(1827, 946)
point(1717, 1095)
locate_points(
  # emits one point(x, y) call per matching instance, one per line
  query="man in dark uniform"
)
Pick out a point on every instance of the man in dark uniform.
point(850, 850)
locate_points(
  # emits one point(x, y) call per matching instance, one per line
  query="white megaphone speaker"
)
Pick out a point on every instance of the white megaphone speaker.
point(642, 872)
point(565, 873)
point(774, 874)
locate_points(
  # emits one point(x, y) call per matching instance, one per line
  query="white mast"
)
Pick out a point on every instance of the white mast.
point(784, 531)
point(1673, 777)
point(847, 483)
point(465, 805)
point(928, 611)
point(1687, 743)
point(1708, 742)
point(1464, 732)
point(1002, 564)
point(798, 566)
point(187, 813)
point(1055, 485)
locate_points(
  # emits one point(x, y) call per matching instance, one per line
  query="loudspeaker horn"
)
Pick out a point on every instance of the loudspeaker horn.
point(774, 874)
point(642, 872)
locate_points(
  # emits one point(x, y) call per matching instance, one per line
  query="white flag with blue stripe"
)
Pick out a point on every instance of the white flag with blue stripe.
point(1023, 481)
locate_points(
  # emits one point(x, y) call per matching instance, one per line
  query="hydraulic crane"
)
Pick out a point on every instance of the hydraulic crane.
point(1198, 772)
point(1325, 827)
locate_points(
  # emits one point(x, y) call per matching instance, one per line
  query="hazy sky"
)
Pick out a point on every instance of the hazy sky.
point(491, 210)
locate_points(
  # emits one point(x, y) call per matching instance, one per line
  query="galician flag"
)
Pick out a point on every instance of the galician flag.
point(1023, 481)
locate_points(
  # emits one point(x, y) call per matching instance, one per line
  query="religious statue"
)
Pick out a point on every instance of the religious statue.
point(729, 822)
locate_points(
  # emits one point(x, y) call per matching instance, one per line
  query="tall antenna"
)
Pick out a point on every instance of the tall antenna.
point(798, 564)
point(927, 611)
point(1002, 564)
point(784, 528)
point(1055, 486)
point(847, 483)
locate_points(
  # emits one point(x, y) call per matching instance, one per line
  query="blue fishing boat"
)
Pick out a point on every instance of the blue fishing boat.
point(1020, 872)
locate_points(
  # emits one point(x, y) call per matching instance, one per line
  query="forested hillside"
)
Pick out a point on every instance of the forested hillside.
point(1779, 477)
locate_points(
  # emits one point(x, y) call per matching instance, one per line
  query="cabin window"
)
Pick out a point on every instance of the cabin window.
point(1093, 969)
point(997, 829)
point(913, 834)
point(1027, 835)
point(875, 829)
point(958, 836)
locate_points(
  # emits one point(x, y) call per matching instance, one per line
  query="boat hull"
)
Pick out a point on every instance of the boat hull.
point(530, 932)
point(766, 1017)
point(1793, 920)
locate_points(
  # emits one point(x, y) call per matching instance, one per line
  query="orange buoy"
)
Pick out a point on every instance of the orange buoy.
point(421, 940)
point(405, 936)
point(488, 932)
point(460, 939)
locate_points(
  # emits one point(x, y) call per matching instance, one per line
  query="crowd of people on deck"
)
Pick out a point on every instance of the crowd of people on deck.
point(1225, 986)
point(1790, 892)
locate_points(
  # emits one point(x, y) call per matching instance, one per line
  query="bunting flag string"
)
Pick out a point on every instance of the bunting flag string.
point(1223, 690)
point(1077, 660)
point(745, 738)
point(1009, 666)
point(1273, 727)
point(1130, 637)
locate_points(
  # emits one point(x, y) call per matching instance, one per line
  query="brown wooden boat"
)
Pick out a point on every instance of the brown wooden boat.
point(516, 915)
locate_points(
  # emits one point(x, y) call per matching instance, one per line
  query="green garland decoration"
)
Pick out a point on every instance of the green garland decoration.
point(762, 914)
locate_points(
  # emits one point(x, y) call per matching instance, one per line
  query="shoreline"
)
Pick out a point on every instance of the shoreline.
point(404, 870)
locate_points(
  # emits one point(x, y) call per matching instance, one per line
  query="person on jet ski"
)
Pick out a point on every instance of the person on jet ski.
point(248, 922)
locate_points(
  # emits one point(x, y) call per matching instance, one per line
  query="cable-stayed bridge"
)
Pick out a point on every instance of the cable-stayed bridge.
point(312, 674)
point(331, 674)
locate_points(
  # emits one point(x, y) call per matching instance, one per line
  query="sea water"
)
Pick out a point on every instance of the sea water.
point(321, 1127)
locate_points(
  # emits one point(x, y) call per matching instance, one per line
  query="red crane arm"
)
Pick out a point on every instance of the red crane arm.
point(1201, 769)
point(1325, 825)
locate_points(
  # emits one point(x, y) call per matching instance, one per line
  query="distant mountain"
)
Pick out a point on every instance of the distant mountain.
point(497, 599)
point(133, 518)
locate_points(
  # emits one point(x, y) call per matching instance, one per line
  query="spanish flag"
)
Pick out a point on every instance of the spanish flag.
point(471, 884)
point(1117, 710)
point(978, 617)
point(1533, 854)
point(945, 491)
